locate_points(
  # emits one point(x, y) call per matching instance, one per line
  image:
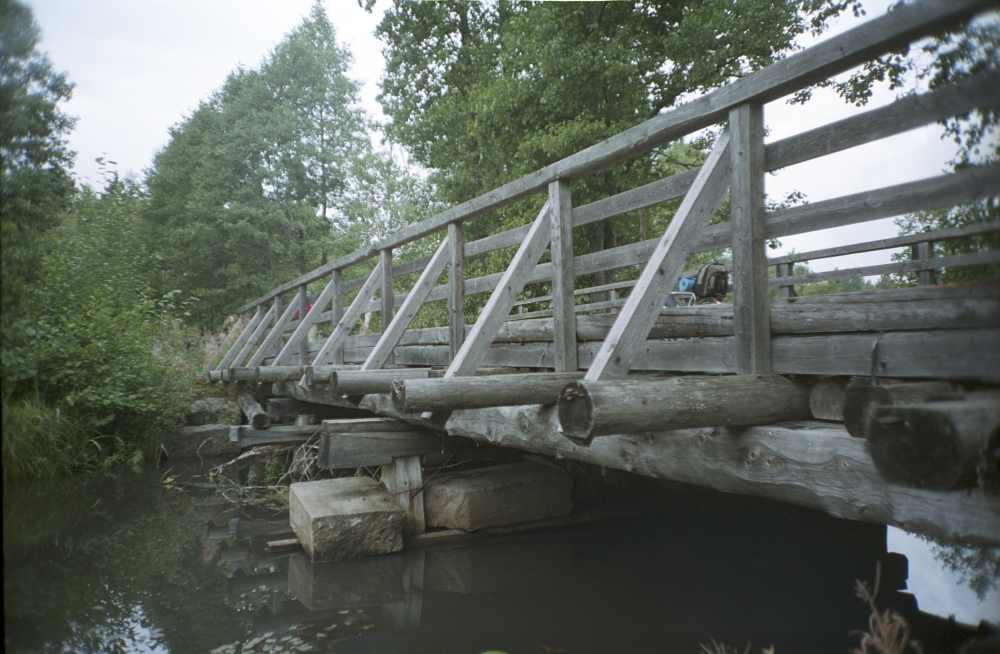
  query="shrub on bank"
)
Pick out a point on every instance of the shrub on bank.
point(99, 366)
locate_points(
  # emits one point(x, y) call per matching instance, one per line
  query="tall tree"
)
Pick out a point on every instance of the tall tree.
point(484, 92)
point(35, 185)
point(252, 184)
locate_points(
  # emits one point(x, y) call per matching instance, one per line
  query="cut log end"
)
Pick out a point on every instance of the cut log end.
point(576, 413)
point(916, 448)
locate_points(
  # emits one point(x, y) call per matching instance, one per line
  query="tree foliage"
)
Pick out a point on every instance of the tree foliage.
point(272, 175)
point(34, 158)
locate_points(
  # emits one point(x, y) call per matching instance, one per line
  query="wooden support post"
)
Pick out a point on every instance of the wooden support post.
point(751, 307)
point(639, 313)
point(251, 343)
point(628, 406)
point(388, 300)
point(785, 270)
point(922, 252)
point(410, 395)
point(404, 479)
point(391, 333)
point(563, 276)
point(935, 444)
point(273, 337)
point(336, 311)
point(456, 287)
point(304, 324)
point(863, 397)
point(241, 339)
point(346, 322)
point(256, 415)
point(497, 308)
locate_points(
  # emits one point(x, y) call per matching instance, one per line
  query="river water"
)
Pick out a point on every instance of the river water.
point(129, 564)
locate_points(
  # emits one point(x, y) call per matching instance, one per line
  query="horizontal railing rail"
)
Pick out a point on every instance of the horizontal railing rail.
point(278, 332)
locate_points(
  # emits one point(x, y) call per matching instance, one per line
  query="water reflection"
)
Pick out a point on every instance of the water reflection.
point(126, 566)
point(951, 580)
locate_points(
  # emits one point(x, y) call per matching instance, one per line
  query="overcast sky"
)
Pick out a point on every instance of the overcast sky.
point(141, 66)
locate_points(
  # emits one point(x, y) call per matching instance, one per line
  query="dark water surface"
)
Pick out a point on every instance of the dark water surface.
point(126, 565)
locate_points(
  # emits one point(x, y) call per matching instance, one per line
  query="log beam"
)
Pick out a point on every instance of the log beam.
point(934, 444)
point(410, 395)
point(255, 414)
point(863, 396)
point(810, 464)
point(588, 409)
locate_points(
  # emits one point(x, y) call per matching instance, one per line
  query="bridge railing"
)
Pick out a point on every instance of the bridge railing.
point(277, 331)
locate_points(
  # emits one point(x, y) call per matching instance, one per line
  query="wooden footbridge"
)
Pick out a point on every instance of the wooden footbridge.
point(748, 397)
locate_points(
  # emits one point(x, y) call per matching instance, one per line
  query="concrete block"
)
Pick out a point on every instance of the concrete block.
point(347, 518)
point(498, 496)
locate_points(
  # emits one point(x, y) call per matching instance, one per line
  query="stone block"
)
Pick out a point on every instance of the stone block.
point(347, 518)
point(498, 496)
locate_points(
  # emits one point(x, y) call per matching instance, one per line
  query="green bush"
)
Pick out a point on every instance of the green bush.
point(102, 366)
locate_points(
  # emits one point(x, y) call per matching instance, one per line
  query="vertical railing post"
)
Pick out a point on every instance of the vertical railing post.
point(751, 308)
point(385, 261)
point(785, 270)
point(456, 288)
point(303, 294)
point(563, 276)
point(336, 311)
point(922, 252)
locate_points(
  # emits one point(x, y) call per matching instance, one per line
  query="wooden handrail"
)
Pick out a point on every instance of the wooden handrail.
point(830, 57)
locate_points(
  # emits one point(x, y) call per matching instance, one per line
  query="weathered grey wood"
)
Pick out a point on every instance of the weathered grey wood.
point(338, 451)
point(404, 479)
point(563, 274)
point(751, 318)
point(364, 425)
point(297, 339)
point(979, 91)
point(597, 408)
point(934, 445)
point(986, 290)
point(940, 192)
point(241, 339)
point(411, 305)
point(887, 243)
point(924, 251)
point(647, 195)
point(826, 399)
point(816, 465)
point(411, 395)
point(346, 323)
point(658, 276)
point(904, 309)
point(827, 58)
point(270, 374)
point(273, 337)
point(986, 257)
point(255, 414)
point(249, 436)
point(387, 296)
point(316, 394)
point(251, 343)
point(363, 382)
point(493, 315)
point(303, 345)
point(456, 286)
point(863, 396)
point(336, 312)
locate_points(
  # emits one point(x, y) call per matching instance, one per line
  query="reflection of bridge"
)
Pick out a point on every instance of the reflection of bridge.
point(620, 413)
